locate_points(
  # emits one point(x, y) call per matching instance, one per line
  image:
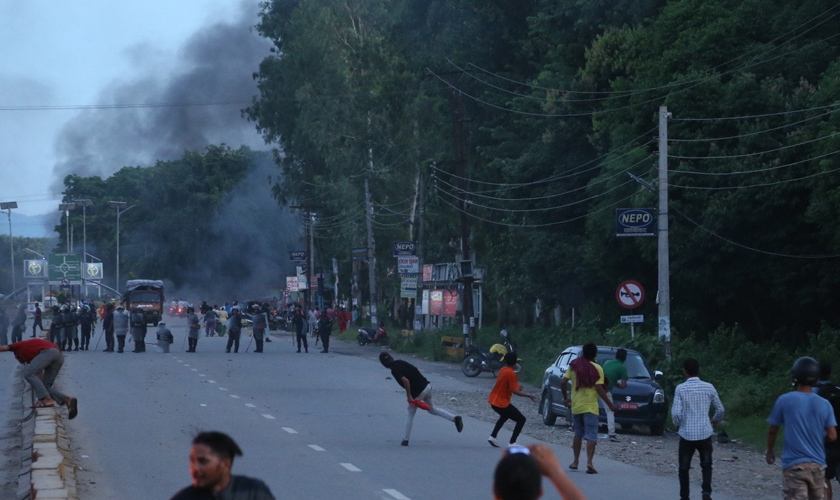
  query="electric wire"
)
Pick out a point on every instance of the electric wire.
point(745, 247)
point(750, 134)
point(757, 153)
point(762, 184)
point(754, 171)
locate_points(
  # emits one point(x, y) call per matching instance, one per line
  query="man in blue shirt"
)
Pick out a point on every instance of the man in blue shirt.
point(808, 419)
point(690, 413)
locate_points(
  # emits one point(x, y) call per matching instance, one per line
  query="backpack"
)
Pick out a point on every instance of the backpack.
point(832, 393)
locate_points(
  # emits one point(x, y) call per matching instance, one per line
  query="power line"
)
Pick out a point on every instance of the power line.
point(758, 153)
point(763, 184)
point(750, 134)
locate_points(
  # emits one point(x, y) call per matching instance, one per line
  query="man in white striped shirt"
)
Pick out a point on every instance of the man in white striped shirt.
point(690, 414)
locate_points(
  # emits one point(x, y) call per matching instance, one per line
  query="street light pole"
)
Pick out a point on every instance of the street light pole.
point(119, 206)
point(8, 206)
point(84, 203)
point(67, 207)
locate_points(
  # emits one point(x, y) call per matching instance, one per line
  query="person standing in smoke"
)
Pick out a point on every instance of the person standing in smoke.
point(56, 328)
point(234, 329)
point(86, 320)
point(69, 319)
point(19, 324)
point(164, 337)
point(260, 320)
point(138, 329)
point(4, 326)
point(120, 327)
point(36, 323)
point(108, 327)
point(194, 324)
point(298, 320)
point(210, 322)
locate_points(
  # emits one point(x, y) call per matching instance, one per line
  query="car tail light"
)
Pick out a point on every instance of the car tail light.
point(659, 396)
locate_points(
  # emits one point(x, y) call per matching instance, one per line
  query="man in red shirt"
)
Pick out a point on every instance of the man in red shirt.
point(38, 355)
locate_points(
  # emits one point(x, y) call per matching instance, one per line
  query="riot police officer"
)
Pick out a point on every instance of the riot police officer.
point(194, 324)
point(164, 337)
point(138, 329)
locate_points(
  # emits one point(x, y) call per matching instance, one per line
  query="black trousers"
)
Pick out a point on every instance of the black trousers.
point(233, 341)
point(685, 454)
point(109, 341)
point(120, 343)
point(302, 337)
point(38, 324)
point(193, 344)
point(85, 337)
point(325, 340)
point(509, 412)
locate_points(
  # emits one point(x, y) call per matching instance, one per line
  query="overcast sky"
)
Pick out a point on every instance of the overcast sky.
point(92, 52)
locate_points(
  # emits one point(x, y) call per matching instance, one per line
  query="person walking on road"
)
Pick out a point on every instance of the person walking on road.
point(260, 320)
point(234, 329)
point(19, 323)
point(587, 381)
point(507, 384)
point(615, 375)
point(418, 390)
point(4, 326)
point(690, 413)
point(37, 318)
point(108, 327)
point(138, 329)
point(809, 421)
point(298, 321)
point(39, 355)
point(324, 330)
point(164, 337)
point(121, 321)
point(194, 325)
point(211, 461)
point(518, 474)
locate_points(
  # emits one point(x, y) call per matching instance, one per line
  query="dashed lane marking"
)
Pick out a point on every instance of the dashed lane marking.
point(351, 467)
point(290, 430)
point(222, 389)
point(212, 381)
point(249, 405)
point(202, 375)
point(234, 396)
point(396, 494)
point(195, 369)
point(266, 415)
point(316, 447)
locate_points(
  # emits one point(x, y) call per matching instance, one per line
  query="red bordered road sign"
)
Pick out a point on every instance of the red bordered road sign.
point(630, 294)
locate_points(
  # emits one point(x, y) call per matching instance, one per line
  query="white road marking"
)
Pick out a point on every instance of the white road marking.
point(290, 430)
point(186, 364)
point(396, 494)
point(234, 396)
point(195, 369)
point(202, 404)
point(351, 467)
point(212, 381)
point(316, 447)
point(249, 405)
point(202, 375)
point(266, 415)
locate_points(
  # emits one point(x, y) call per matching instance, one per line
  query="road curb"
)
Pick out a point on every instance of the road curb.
point(50, 469)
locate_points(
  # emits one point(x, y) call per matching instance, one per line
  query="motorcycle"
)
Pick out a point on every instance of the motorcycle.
point(369, 336)
point(480, 360)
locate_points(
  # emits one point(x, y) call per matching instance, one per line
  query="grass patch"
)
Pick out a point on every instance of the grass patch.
point(752, 431)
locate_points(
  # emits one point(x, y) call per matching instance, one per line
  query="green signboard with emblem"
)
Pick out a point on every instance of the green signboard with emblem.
point(65, 266)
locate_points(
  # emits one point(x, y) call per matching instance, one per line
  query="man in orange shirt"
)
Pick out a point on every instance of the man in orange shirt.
point(507, 384)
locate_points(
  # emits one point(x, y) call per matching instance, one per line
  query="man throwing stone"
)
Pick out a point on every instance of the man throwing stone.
point(417, 390)
point(38, 355)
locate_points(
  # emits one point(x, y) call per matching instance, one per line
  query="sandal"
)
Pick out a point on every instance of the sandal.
point(41, 404)
point(591, 470)
point(72, 407)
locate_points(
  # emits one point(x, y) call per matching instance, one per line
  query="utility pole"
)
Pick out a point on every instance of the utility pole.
point(371, 252)
point(459, 146)
point(664, 293)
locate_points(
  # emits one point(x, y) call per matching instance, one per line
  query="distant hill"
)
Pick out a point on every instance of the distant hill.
point(30, 226)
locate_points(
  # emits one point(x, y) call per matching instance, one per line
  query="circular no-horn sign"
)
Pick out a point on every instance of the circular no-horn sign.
point(630, 294)
point(65, 282)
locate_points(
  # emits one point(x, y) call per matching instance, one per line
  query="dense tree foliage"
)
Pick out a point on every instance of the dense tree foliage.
point(561, 103)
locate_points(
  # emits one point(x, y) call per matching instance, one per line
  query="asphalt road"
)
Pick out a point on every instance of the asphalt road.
point(311, 425)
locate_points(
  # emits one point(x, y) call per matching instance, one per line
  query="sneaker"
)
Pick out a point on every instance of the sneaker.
point(613, 438)
point(459, 423)
point(493, 442)
point(404, 442)
point(515, 445)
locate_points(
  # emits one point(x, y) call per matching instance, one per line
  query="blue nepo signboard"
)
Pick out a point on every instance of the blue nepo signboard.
point(297, 256)
point(635, 222)
point(404, 248)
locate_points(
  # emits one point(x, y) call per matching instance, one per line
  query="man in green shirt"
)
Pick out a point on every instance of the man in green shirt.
point(616, 374)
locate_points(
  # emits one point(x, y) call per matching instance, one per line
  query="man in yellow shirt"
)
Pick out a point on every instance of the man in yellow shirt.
point(587, 378)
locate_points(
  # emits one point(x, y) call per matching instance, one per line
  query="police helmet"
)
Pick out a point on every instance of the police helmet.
point(504, 334)
point(805, 371)
point(120, 308)
point(161, 323)
point(65, 308)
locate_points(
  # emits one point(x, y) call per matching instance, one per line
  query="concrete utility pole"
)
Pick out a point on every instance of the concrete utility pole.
point(371, 252)
point(8, 206)
point(664, 293)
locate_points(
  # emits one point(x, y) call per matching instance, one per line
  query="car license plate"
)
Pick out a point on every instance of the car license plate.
point(628, 406)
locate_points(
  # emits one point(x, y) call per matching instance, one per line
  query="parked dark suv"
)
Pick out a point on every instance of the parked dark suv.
point(642, 402)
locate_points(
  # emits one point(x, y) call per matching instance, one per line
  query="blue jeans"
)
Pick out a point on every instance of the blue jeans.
point(686, 452)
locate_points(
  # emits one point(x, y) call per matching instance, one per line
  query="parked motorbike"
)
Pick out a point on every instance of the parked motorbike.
point(480, 360)
point(369, 336)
